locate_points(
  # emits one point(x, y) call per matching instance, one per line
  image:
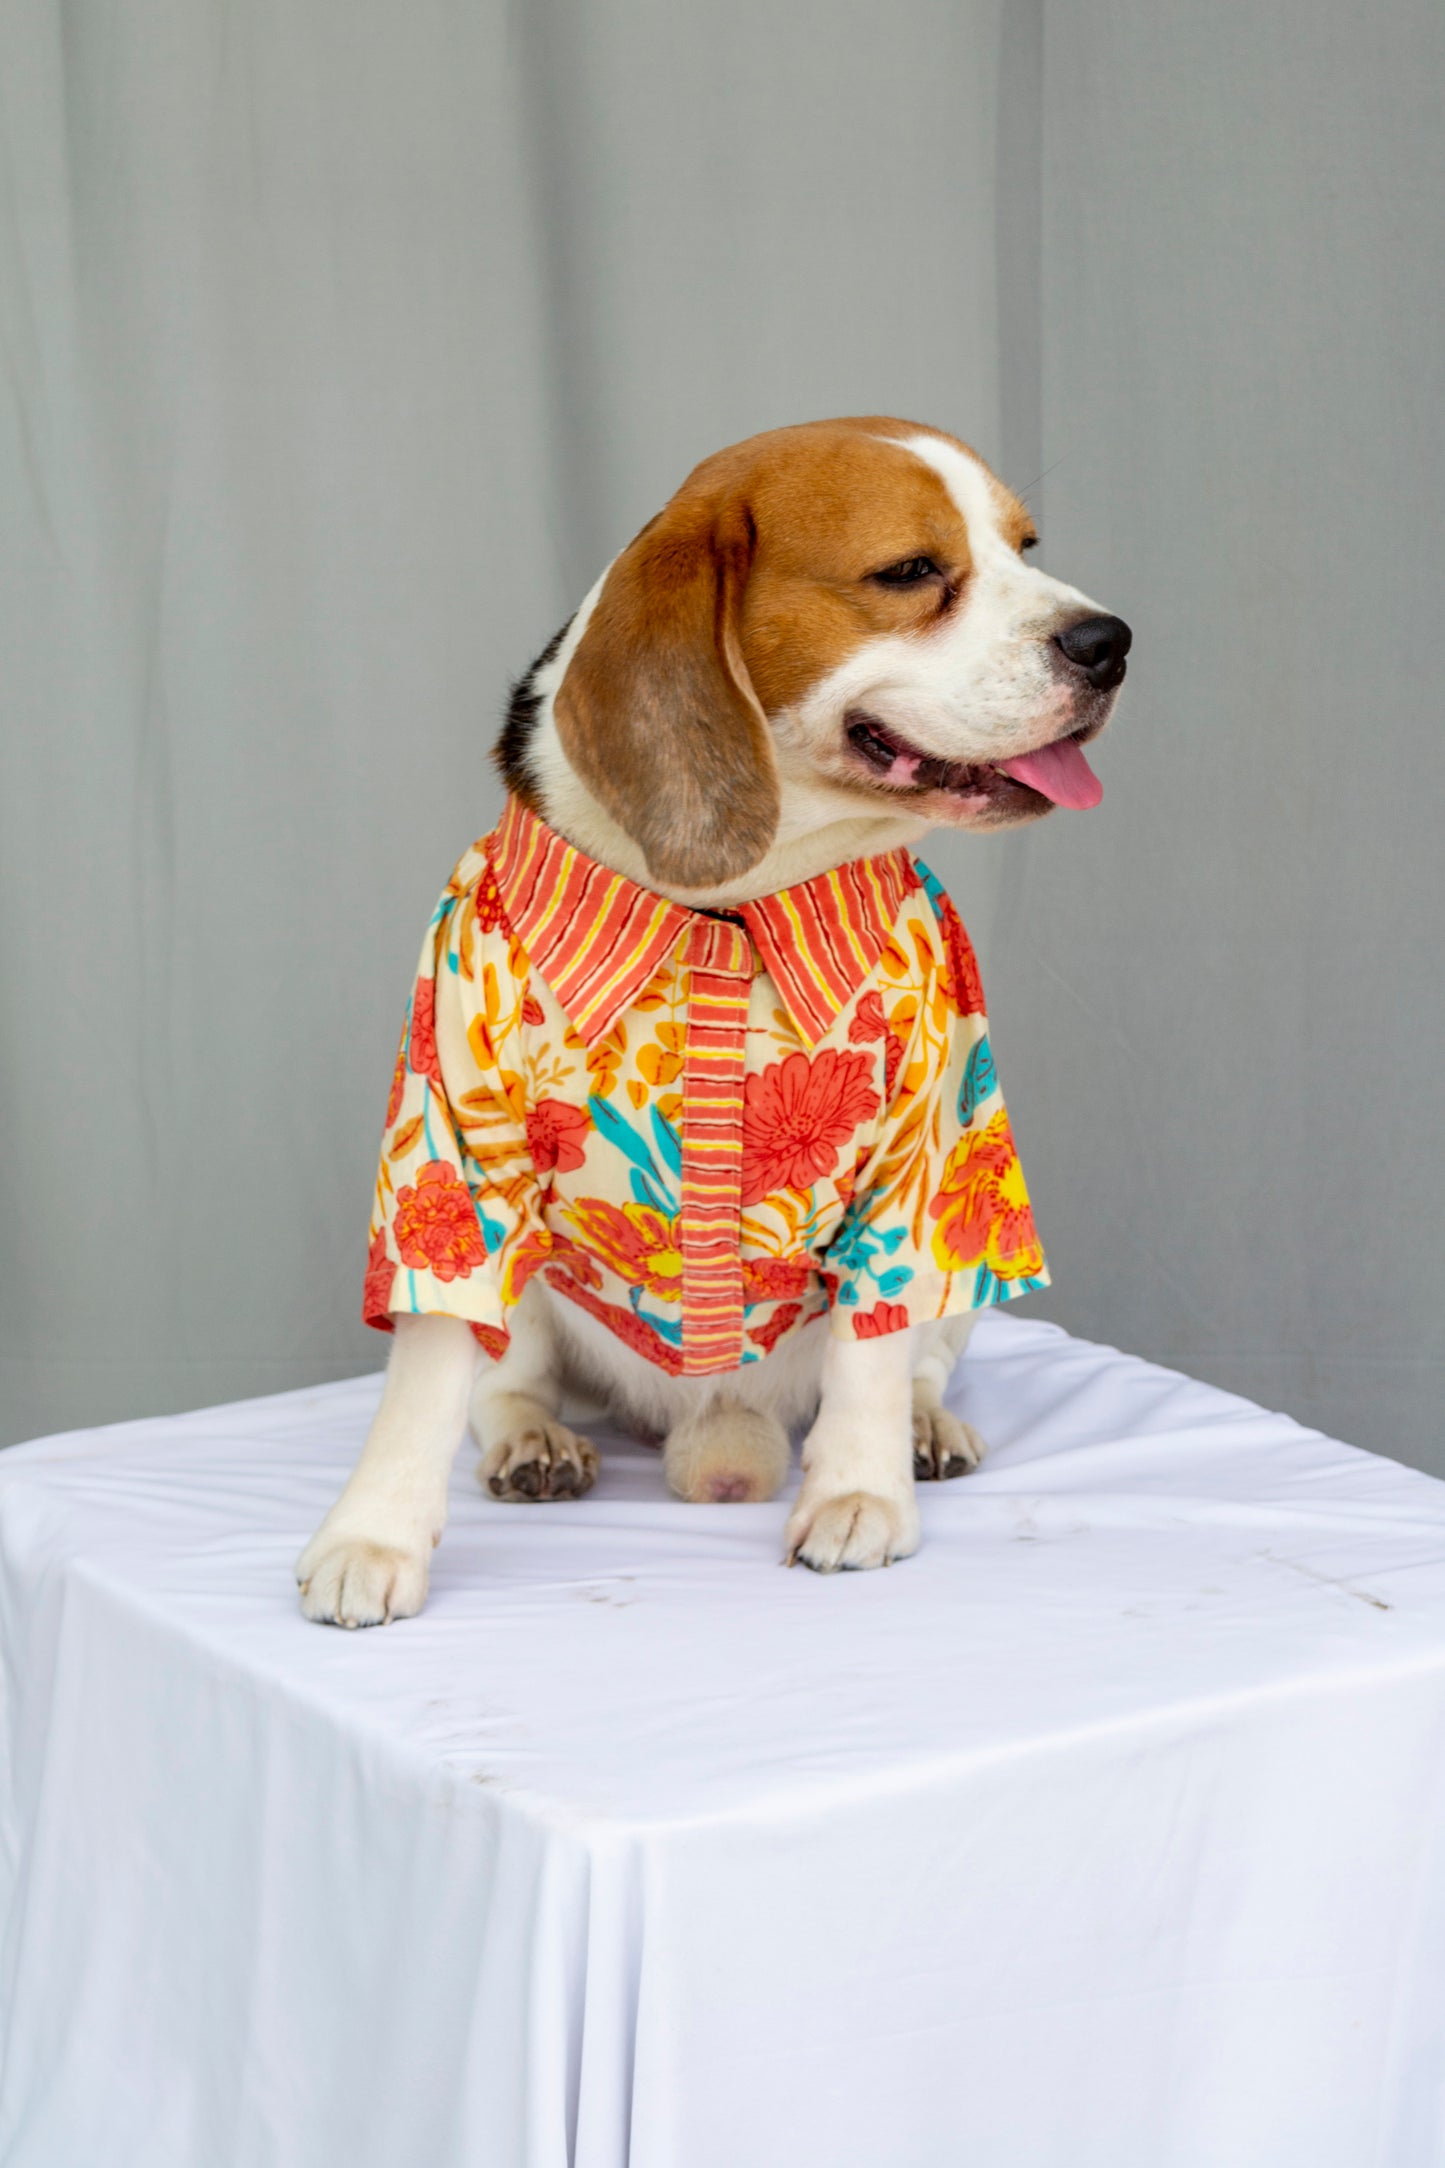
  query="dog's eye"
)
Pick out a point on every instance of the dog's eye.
point(1029, 542)
point(907, 572)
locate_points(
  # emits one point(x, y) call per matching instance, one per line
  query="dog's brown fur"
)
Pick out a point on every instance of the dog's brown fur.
point(748, 586)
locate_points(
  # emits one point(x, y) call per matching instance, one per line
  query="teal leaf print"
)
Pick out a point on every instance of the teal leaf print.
point(493, 1232)
point(666, 1328)
point(645, 1193)
point(620, 1132)
point(980, 1080)
point(933, 887)
point(668, 1141)
point(989, 1289)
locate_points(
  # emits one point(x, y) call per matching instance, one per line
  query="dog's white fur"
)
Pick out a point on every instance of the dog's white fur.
point(980, 689)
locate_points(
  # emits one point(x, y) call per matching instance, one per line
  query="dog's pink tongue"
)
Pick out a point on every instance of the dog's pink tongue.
point(1060, 772)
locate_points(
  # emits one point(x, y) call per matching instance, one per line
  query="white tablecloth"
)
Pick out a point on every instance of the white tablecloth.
point(1108, 1832)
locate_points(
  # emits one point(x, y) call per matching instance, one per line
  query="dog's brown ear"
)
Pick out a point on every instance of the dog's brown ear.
point(657, 712)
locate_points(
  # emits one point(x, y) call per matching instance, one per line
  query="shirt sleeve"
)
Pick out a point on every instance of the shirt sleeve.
point(456, 1226)
point(940, 1220)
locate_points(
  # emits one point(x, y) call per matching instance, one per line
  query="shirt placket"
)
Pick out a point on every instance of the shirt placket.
point(718, 957)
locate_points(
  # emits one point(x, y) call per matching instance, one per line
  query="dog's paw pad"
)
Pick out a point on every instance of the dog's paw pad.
point(541, 1460)
point(851, 1533)
point(348, 1581)
point(943, 1447)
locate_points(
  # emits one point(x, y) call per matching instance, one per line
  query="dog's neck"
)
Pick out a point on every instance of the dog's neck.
point(813, 836)
point(818, 827)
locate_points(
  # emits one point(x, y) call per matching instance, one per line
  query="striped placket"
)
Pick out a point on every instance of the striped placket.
point(718, 959)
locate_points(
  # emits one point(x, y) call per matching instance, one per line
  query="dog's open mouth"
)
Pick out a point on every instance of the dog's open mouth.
point(1059, 772)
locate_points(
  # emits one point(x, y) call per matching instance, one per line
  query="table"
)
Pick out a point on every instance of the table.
point(1109, 1830)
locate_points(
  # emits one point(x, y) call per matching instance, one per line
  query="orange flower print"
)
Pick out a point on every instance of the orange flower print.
point(569, 1259)
point(869, 1022)
point(769, 1279)
point(770, 1332)
point(634, 1241)
point(436, 1224)
point(556, 1136)
point(522, 1260)
point(532, 1010)
point(376, 1290)
point(884, 1317)
point(492, 1340)
point(796, 1115)
point(422, 1040)
point(962, 963)
point(982, 1209)
point(489, 901)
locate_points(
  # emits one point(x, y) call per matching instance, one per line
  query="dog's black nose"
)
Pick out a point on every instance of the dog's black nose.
point(1097, 646)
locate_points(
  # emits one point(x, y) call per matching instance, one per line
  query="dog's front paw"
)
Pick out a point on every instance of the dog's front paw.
point(943, 1446)
point(348, 1581)
point(540, 1458)
point(856, 1530)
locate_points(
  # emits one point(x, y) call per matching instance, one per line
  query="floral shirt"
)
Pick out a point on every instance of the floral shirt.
point(701, 1128)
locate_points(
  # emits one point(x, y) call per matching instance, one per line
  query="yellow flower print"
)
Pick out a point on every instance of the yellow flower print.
point(639, 1244)
point(982, 1208)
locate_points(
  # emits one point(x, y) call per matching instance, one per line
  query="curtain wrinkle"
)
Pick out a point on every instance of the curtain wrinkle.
point(1020, 243)
point(550, 196)
point(1233, 1137)
point(31, 462)
point(153, 817)
point(21, 396)
point(19, 326)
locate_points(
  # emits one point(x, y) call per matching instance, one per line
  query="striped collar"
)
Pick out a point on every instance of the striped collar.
point(597, 938)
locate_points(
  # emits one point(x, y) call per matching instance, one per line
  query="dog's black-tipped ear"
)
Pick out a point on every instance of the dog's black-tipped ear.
point(657, 712)
point(513, 749)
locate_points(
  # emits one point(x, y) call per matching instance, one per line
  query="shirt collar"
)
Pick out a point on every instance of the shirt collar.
point(597, 938)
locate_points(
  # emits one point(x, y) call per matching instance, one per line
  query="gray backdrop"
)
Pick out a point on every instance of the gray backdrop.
point(343, 343)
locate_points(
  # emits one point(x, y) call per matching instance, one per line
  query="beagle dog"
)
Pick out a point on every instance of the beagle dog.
point(828, 641)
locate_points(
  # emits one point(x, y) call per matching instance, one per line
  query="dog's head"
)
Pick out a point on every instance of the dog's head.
point(825, 622)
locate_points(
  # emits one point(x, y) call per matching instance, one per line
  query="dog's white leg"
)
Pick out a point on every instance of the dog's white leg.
point(724, 1452)
point(857, 1507)
point(527, 1453)
point(943, 1446)
point(368, 1561)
